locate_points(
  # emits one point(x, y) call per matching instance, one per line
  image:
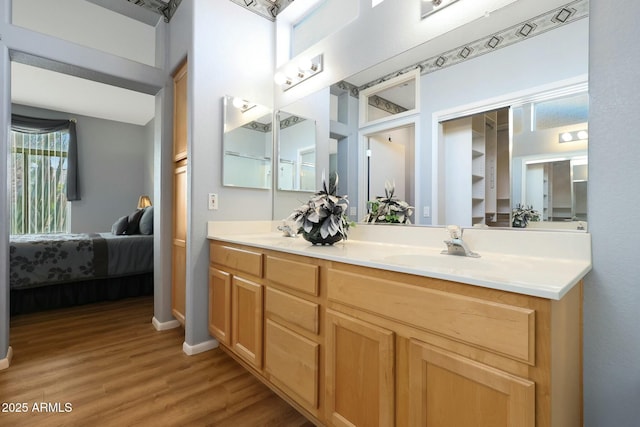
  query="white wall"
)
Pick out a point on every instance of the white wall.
point(231, 53)
point(612, 289)
point(113, 162)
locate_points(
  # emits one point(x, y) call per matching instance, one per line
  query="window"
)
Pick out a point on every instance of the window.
point(38, 181)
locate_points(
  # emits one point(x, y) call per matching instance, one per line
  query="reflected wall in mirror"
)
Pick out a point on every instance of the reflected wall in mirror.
point(247, 144)
point(297, 153)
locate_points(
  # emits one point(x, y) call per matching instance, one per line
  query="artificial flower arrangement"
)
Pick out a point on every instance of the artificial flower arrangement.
point(388, 209)
point(323, 219)
point(522, 214)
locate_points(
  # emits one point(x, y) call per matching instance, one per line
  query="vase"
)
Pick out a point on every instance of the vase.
point(316, 238)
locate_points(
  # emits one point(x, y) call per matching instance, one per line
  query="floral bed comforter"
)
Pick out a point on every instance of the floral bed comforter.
point(46, 259)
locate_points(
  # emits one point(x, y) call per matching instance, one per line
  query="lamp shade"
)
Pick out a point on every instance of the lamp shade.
point(143, 202)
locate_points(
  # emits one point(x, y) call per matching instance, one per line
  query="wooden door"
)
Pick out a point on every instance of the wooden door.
point(246, 314)
point(446, 389)
point(359, 372)
point(180, 113)
point(179, 242)
point(220, 305)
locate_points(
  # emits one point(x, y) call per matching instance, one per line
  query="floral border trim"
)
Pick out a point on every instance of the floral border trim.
point(291, 121)
point(166, 9)
point(266, 8)
point(570, 12)
point(259, 127)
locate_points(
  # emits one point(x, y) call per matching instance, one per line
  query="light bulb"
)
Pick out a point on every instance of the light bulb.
point(566, 137)
point(305, 64)
point(583, 134)
point(292, 70)
point(238, 103)
point(280, 78)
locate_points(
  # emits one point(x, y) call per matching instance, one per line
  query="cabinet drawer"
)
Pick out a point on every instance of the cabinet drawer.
point(292, 309)
point(293, 274)
point(501, 328)
point(239, 259)
point(292, 362)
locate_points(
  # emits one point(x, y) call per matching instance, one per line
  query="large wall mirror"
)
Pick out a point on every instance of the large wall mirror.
point(462, 147)
point(247, 144)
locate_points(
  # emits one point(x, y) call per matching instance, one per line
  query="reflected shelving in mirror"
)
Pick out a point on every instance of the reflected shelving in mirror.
point(247, 144)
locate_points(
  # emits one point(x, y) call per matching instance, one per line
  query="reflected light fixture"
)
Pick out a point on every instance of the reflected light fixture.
point(143, 202)
point(578, 135)
point(242, 104)
point(432, 6)
point(295, 73)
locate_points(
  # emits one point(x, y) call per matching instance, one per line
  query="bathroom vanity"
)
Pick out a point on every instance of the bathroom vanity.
point(367, 333)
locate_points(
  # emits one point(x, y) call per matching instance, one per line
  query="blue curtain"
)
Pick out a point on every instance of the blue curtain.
point(26, 124)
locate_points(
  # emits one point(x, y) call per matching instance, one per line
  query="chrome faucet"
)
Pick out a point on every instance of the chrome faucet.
point(456, 246)
point(287, 231)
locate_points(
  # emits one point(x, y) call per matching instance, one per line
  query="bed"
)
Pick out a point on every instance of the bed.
point(60, 270)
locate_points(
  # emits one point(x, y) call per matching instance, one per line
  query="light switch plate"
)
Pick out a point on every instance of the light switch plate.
point(213, 201)
point(426, 211)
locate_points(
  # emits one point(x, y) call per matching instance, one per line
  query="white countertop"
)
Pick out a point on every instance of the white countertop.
point(545, 264)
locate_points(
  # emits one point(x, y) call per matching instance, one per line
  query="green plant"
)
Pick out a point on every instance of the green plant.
point(388, 209)
point(324, 216)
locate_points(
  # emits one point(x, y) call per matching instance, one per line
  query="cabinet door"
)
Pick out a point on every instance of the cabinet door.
point(179, 243)
point(292, 363)
point(220, 305)
point(180, 113)
point(359, 372)
point(246, 313)
point(446, 389)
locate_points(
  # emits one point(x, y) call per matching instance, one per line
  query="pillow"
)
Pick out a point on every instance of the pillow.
point(120, 226)
point(133, 227)
point(146, 221)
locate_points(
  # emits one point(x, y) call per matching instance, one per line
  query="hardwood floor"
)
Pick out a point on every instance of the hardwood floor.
point(104, 364)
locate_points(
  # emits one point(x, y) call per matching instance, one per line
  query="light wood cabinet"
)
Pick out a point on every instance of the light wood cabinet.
point(179, 242)
point(359, 372)
point(292, 363)
point(220, 305)
point(246, 315)
point(180, 196)
point(180, 113)
point(448, 389)
point(355, 346)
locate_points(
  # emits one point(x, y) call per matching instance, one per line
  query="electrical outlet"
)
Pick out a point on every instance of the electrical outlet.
point(426, 211)
point(353, 211)
point(213, 201)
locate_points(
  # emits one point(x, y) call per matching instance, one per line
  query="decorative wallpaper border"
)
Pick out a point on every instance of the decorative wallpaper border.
point(266, 8)
point(258, 127)
point(165, 9)
point(570, 12)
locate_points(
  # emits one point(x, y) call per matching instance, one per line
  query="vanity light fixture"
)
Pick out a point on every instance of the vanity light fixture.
point(578, 135)
point(242, 104)
point(294, 73)
point(432, 6)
